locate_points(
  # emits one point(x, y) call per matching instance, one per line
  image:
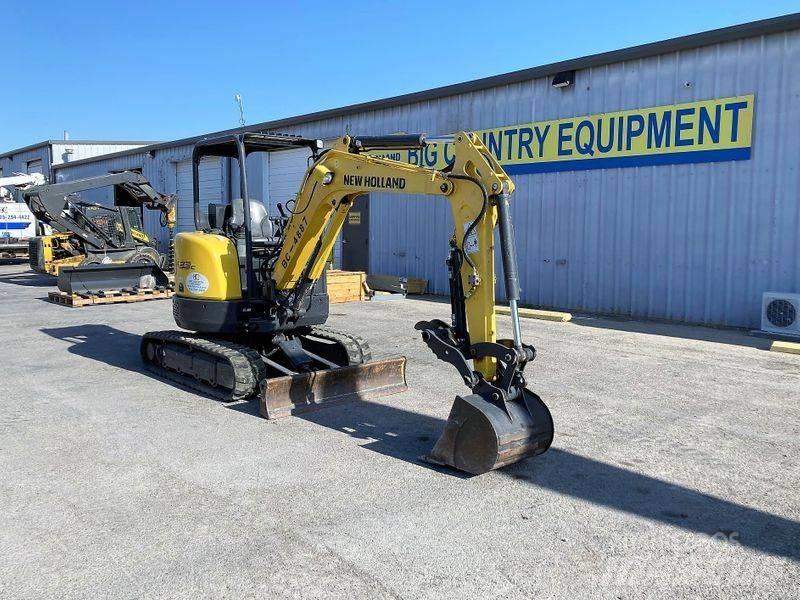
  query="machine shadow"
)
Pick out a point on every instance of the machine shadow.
point(387, 430)
point(29, 279)
point(407, 435)
point(108, 345)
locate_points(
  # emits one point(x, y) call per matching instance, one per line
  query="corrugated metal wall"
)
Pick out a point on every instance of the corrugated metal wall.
point(160, 170)
point(84, 150)
point(696, 243)
point(18, 163)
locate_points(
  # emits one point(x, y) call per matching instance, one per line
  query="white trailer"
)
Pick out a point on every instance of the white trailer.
point(17, 224)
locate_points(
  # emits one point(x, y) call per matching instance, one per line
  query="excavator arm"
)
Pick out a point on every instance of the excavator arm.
point(504, 420)
point(346, 171)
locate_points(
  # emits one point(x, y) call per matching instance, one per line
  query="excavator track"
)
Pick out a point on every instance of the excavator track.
point(357, 348)
point(218, 368)
point(228, 371)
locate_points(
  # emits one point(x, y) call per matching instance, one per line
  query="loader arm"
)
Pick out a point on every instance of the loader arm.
point(345, 172)
point(48, 203)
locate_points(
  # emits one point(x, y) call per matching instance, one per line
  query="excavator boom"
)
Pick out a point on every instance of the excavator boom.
point(500, 421)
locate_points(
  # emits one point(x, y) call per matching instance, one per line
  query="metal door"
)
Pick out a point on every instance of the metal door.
point(34, 166)
point(211, 186)
point(355, 237)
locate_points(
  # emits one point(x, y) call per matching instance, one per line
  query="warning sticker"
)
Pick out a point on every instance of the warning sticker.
point(196, 283)
point(471, 241)
point(354, 218)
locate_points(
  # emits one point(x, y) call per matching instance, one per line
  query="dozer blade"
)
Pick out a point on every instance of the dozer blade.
point(92, 279)
point(294, 394)
point(480, 436)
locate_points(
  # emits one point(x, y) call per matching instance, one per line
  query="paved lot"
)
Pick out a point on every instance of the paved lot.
point(674, 470)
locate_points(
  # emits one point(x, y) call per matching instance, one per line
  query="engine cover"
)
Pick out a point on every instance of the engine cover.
point(206, 267)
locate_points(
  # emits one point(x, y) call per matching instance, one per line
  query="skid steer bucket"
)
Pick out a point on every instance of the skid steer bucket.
point(93, 279)
point(294, 394)
point(480, 436)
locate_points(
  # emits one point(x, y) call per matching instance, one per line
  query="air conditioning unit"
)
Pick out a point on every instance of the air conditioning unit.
point(780, 313)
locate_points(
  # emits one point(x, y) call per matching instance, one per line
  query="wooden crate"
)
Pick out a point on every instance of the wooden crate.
point(109, 297)
point(417, 286)
point(347, 286)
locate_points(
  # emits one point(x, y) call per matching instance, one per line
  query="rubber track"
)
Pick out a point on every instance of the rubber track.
point(248, 368)
point(358, 350)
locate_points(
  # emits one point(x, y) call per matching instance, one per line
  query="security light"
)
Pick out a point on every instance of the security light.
point(564, 79)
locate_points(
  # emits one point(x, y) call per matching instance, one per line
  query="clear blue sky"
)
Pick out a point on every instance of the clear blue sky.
point(160, 70)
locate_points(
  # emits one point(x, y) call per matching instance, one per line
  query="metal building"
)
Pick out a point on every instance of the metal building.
point(42, 157)
point(658, 181)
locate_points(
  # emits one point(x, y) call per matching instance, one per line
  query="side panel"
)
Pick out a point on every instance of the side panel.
point(206, 267)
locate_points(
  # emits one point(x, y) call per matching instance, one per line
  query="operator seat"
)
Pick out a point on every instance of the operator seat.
point(229, 219)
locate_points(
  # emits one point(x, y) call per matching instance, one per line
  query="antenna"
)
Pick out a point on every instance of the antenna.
point(238, 99)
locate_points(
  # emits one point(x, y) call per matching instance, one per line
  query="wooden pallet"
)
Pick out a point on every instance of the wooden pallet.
point(109, 297)
point(347, 286)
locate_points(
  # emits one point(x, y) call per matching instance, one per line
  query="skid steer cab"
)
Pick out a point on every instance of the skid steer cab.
point(251, 290)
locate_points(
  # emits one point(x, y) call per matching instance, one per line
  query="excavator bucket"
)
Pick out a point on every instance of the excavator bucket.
point(295, 394)
point(93, 279)
point(480, 436)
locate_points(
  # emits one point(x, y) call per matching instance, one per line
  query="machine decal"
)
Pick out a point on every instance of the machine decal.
point(301, 227)
point(713, 130)
point(16, 221)
point(196, 283)
point(372, 181)
point(471, 241)
point(139, 236)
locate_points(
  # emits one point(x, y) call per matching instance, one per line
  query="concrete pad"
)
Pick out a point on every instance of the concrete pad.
point(673, 473)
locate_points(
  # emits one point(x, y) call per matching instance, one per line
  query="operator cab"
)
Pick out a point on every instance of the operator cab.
point(247, 222)
point(224, 268)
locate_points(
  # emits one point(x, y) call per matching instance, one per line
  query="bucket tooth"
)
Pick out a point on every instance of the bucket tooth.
point(479, 436)
point(295, 394)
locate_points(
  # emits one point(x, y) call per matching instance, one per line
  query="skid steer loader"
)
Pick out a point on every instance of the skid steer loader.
point(250, 290)
point(97, 247)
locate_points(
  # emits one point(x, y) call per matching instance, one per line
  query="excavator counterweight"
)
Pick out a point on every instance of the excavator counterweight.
point(252, 290)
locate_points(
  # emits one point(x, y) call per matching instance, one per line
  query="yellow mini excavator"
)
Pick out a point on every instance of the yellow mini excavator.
point(251, 291)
